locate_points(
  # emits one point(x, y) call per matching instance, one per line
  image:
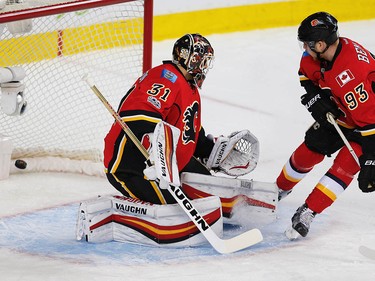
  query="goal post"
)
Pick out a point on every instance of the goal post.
point(57, 43)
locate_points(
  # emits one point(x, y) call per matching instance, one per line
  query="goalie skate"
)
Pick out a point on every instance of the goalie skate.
point(291, 234)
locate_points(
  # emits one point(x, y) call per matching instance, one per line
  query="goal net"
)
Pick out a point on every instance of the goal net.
point(57, 43)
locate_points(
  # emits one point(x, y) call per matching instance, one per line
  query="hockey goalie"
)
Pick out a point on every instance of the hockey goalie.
point(219, 196)
point(170, 151)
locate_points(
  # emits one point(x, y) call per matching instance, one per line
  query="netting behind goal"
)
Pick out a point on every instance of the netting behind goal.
point(65, 41)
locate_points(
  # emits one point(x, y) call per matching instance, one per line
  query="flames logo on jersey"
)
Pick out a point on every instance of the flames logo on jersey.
point(190, 115)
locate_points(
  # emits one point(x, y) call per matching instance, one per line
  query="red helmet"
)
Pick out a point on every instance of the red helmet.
point(195, 54)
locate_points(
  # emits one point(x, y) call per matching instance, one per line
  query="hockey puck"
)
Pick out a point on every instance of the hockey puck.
point(20, 164)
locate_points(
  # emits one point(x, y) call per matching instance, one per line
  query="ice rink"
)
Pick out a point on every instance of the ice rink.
point(253, 85)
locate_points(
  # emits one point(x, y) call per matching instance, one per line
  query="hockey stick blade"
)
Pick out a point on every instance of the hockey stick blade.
point(367, 252)
point(223, 246)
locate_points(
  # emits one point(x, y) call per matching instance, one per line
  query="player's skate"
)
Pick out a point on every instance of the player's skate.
point(302, 219)
point(283, 193)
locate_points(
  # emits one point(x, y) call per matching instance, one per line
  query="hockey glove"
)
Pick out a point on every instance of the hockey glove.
point(235, 155)
point(319, 103)
point(366, 177)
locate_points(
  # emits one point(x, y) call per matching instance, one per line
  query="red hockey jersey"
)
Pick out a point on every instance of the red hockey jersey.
point(162, 93)
point(351, 79)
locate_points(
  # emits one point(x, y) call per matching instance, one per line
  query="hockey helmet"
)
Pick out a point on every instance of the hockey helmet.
point(195, 54)
point(320, 26)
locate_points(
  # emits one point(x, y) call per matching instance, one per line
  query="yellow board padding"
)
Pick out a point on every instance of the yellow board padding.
point(36, 47)
point(28, 49)
point(257, 16)
point(103, 36)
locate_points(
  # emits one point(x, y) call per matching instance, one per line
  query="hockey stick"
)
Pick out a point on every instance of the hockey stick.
point(223, 246)
point(332, 120)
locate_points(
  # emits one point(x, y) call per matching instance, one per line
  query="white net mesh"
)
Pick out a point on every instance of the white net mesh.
point(63, 117)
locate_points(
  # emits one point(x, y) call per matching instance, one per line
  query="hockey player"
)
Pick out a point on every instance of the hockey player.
point(338, 76)
point(163, 111)
point(169, 93)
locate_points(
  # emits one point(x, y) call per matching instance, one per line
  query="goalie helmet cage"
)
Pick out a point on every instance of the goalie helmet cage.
point(57, 43)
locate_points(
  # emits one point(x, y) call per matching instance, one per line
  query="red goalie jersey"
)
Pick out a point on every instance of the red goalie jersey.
point(351, 79)
point(162, 93)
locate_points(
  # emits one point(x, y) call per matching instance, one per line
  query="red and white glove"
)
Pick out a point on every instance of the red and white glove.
point(236, 154)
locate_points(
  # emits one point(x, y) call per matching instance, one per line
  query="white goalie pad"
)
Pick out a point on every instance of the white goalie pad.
point(124, 219)
point(244, 202)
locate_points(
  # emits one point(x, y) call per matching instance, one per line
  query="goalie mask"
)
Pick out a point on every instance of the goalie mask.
point(195, 54)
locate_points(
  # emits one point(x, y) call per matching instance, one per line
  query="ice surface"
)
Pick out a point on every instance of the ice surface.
point(254, 85)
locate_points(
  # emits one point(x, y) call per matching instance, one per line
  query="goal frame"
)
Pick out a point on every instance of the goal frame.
point(60, 8)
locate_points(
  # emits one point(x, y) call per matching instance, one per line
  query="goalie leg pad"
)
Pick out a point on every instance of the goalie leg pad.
point(243, 201)
point(135, 221)
point(89, 214)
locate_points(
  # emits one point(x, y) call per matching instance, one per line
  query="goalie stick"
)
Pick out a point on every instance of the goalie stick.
point(223, 246)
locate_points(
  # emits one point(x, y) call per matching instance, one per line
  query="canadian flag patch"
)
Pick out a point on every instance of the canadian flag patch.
point(344, 77)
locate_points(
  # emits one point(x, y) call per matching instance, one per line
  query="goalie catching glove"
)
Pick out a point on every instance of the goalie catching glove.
point(162, 163)
point(235, 155)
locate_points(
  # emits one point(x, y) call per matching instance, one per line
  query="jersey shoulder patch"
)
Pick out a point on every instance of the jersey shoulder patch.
point(167, 74)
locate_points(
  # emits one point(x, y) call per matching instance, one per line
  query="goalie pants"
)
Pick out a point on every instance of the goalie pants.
point(320, 142)
point(136, 186)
